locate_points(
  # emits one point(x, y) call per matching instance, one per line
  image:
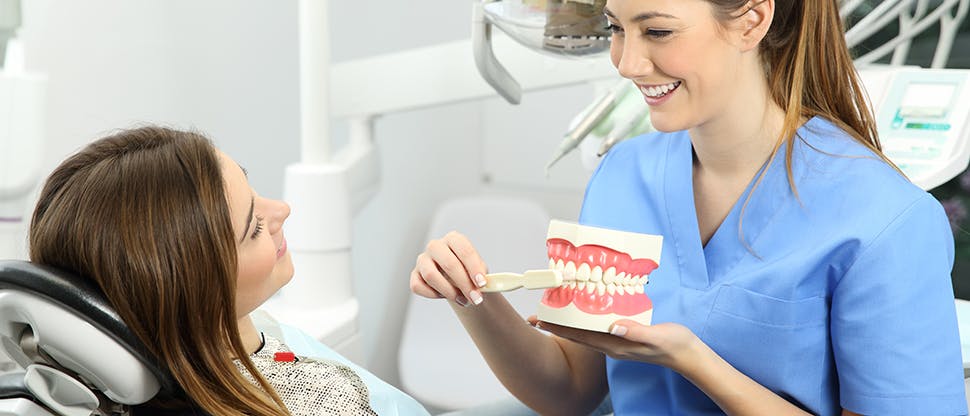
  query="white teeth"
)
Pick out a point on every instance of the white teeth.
point(552, 264)
point(583, 272)
point(642, 281)
point(560, 265)
point(609, 276)
point(597, 274)
point(638, 289)
point(659, 90)
point(611, 289)
point(600, 289)
point(621, 279)
point(591, 287)
point(569, 273)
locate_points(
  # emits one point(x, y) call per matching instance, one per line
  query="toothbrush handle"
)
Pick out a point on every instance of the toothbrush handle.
point(502, 282)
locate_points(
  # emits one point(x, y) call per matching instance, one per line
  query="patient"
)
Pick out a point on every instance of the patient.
point(185, 250)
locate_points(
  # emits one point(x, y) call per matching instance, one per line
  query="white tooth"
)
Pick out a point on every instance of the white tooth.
point(630, 290)
point(600, 288)
point(570, 272)
point(572, 285)
point(609, 276)
point(620, 279)
point(665, 88)
point(590, 287)
point(631, 280)
point(560, 265)
point(611, 288)
point(643, 280)
point(582, 273)
point(581, 286)
point(644, 90)
point(552, 264)
point(638, 289)
point(597, 274)
point(654, 91)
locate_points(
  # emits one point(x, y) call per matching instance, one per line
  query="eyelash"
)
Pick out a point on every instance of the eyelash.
point(656, 34)
point(259, 227)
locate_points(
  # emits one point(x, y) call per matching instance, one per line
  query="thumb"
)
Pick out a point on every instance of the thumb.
point(631, 330)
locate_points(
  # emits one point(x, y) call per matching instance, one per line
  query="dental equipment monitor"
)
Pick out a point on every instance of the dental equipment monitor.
point(923, 119)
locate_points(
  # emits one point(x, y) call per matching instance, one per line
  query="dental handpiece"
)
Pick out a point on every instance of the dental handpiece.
point(621, 131)
point(595, 115)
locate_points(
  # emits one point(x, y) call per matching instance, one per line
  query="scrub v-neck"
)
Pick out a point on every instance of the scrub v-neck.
point(703, 265)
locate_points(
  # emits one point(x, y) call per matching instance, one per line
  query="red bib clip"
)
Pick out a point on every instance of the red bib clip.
point(287, 357)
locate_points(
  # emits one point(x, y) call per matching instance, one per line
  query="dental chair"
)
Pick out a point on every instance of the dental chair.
point(74, 355)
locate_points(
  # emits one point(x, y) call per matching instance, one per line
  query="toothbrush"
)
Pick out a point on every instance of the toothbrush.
point(531, 279)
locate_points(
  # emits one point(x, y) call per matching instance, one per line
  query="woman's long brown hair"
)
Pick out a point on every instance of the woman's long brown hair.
point(144, 214)
point(810, 73)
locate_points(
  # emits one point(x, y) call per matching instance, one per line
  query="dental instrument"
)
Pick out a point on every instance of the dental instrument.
point(585, 125)
point(634, 123)
point(531, 279)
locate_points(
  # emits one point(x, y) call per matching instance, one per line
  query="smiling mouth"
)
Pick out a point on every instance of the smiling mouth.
point(282, 249)
point(660, 91)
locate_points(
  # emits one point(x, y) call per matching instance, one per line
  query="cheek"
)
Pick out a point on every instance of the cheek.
point(255, 267)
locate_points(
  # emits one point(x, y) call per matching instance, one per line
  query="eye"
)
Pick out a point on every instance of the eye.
point(614, 28)
point(658, 34)
point(259, 227)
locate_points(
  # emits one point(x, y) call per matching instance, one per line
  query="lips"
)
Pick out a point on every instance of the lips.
point(282, 249)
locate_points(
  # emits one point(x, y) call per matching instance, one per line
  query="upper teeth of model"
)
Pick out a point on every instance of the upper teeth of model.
point(659, 90)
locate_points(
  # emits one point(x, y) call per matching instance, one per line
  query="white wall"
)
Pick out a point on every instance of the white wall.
point(229, 69)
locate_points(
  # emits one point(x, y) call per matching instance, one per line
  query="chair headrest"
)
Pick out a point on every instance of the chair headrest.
point(84, 299)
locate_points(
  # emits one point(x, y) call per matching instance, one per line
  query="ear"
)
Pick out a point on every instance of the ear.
point(755, 22)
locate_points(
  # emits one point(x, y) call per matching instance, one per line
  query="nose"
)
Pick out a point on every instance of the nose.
point(276, 213)
point(630, 58)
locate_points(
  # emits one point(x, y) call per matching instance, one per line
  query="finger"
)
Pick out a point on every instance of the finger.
point(593, 339)
point(454, 270)
point(420, 287)
point(469, 257)
point(632, 330)
point(433, 277)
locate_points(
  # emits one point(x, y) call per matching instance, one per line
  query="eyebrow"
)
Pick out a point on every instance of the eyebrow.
point(642, 16)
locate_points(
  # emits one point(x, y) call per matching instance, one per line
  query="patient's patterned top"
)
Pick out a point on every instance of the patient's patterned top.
point(308, 386)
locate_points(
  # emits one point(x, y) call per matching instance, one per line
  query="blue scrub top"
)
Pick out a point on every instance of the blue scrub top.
point(840, 298)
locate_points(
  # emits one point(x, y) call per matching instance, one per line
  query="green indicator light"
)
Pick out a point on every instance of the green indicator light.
point(928, 126)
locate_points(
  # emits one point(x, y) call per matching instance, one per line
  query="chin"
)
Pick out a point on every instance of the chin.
point(666, 123)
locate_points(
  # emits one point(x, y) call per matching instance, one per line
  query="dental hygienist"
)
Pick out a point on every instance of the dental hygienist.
point(801, 271)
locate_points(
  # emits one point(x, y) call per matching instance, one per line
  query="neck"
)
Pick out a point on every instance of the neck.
point(740, 139)
point(249, 335)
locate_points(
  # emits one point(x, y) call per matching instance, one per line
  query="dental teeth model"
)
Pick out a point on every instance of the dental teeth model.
point(603, 274)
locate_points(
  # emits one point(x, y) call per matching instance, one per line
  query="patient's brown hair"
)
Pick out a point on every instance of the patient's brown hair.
point(144, 214)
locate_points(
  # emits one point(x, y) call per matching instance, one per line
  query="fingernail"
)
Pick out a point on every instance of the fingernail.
point(618, 330)
point(476, 297)
point(538, 325)
point(480, 280)
point(461, 300)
